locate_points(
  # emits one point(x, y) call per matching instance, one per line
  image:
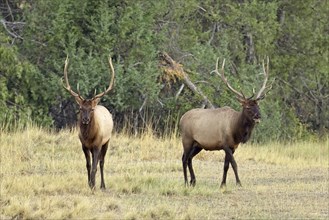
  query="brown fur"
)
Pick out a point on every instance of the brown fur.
point(95, 137)
point(98, 131)
point(214, 129)
point(220, 126)
point(95, 127)
point(220, 129)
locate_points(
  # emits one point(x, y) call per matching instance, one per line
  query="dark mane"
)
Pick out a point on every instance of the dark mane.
point(243, 130)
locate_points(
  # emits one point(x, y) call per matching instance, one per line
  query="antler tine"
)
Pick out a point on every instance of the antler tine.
point(111, 82)
point(240, 95)
point(68, 87)
point(266, 71)
point(78, 89)
point(253, 94)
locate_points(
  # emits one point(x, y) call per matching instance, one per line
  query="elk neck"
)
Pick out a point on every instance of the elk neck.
point(88, 132)
point(243, 128)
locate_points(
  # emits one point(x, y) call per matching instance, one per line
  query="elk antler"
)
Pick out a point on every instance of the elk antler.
point(111, 82)
point(68, 87)
point(240, 95)
point(259, 94)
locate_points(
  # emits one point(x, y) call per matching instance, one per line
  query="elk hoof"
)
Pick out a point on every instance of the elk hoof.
point(223, 185)
point(238, 184)
point(93, 189)
point(192, 183)
point(92, 185)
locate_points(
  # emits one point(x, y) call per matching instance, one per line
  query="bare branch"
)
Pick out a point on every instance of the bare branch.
point(179, 91)
point(142, 106)
point(8, 31)
point(177, 67)
point(202, 8)
point(295, 89)
point(212, 34)
point(9, 9)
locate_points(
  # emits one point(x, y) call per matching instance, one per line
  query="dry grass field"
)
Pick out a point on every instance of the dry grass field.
point(43, 176)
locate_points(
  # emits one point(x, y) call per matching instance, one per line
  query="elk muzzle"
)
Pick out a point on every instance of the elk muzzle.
point(85, 117)
point(85, 121)
point(257, 117)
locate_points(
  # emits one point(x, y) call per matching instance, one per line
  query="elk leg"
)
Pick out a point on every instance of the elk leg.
point(235, 169)
point(101, 163)
point(229, 158)
point(184, 161)
point(187, 145)
point(195, 151)
point(226, 166)
point(88, 166)
point(95, 154)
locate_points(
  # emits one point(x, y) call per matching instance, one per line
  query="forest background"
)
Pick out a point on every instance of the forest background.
point(36, 36)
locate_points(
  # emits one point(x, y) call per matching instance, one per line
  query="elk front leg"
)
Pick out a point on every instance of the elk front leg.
point(101, 163)
point(235, 169)
point(226, 166)
point(88, 166)
point(229, 158)
point(95, 154)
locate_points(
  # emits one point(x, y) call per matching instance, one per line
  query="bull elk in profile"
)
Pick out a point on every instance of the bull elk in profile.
point(95, 127)
point(220, 128)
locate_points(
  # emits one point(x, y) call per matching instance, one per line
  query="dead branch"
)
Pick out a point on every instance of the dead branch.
point(177, 70)
point(8, 31)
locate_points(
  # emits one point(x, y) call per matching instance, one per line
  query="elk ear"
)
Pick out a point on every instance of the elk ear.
point(96, 101)
point(243, 102)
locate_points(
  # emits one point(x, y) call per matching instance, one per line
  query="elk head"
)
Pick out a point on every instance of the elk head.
point(87, 106)
point(250, 105)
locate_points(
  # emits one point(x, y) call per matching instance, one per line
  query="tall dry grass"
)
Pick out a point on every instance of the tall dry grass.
point(43, 176)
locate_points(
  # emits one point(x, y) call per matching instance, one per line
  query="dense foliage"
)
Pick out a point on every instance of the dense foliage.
point(36, 36)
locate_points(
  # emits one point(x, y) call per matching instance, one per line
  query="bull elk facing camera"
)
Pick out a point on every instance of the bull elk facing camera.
point(221, 128)
point(95, 127)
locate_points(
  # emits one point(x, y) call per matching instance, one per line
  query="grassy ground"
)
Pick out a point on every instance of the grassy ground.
point(43, 176)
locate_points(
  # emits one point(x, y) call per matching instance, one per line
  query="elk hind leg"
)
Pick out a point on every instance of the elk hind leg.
point(184, 161)
point(187, 150)
point(195, 150)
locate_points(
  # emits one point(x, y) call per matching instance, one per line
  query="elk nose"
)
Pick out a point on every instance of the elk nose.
point(257, 117)
point(85, 121)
